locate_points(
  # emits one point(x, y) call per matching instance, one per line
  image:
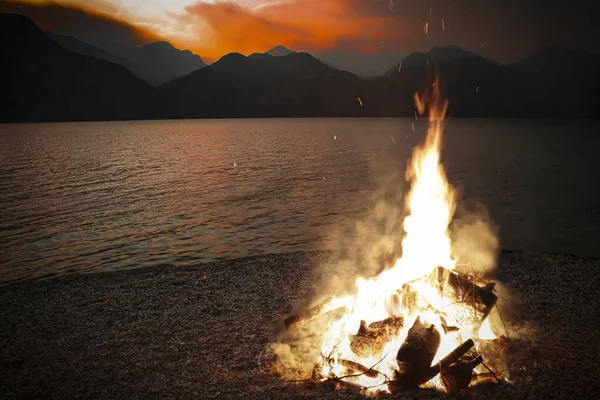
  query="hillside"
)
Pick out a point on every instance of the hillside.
point(44, 82)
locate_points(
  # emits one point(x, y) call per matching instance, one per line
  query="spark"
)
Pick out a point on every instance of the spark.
point(393, 141)
point(416, 116)
point(443, 25)
point(234, 164)
point(334, 137)
point(360, 101)
point(483, 44)
point(428, 22)
point(477, 90)
point(400, 67)
point(426, 27)
point(413, 127)
point(391, 5)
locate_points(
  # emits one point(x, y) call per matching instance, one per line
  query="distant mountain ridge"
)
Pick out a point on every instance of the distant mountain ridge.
point(42, 81)
point(279, 51)
point(77, 46)
point(362, 64)
point(553, 82)
point(156, 62)
point(261, 85)
point(160, 62)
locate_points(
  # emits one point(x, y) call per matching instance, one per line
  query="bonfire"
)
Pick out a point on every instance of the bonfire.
point(418, 323)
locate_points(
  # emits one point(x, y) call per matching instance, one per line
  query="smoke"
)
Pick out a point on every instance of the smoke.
point(373, 243)
point(475, 244)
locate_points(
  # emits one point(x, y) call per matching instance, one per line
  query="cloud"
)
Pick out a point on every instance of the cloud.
point(509, 29)
point(97, 23)
point(224, 26)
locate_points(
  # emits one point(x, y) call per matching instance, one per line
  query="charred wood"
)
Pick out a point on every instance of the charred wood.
point(416, 354)
point(404, 300)
point(486, 377)
point(410, 298)
point(463, 289)
point(451, 358)
point(458, 376)
point(447, 328)
point(371, 340)
point(326, 306)
point(356, 368)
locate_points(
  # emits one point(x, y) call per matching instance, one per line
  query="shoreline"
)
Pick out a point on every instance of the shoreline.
point(166, 332)
point(46, 277)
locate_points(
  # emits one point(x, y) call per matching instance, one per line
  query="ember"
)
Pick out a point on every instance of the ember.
point(417, 323)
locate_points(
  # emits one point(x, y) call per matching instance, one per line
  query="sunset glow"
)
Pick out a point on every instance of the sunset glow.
point(212, 28)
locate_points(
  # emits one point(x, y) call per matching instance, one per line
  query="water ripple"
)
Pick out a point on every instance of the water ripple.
point(89, 197)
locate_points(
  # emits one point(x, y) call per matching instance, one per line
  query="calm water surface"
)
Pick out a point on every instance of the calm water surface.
point(105, 196)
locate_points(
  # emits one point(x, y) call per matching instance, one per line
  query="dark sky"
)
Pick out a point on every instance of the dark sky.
point(505, 30)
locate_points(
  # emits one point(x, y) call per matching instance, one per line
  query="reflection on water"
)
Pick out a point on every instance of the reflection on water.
point(105, 196)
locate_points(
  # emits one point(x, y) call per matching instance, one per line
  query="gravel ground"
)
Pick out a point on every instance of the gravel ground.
point(201, 331)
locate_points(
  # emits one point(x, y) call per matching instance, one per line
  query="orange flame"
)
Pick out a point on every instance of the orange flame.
point(430, 207)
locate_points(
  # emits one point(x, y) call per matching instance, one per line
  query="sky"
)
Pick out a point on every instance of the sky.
point(504, 30)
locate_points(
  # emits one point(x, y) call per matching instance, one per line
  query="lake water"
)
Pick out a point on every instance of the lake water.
point(113, 195)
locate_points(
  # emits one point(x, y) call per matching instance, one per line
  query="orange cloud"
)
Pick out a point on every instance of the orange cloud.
point(214, 29)
point(94, 22)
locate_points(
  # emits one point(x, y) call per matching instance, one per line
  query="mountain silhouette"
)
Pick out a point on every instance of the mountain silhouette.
point(77, 46)
point(553, 83)
point(359, 63)
point(155, 63)
point(565, 81)
point(261, 85)
point(41, 81)
point(160, 62)
point(279, 51)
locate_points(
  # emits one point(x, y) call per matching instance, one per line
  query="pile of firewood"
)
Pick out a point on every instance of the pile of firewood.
point(415, 356)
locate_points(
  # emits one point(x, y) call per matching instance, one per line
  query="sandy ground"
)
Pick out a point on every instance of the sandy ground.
point(167, 332)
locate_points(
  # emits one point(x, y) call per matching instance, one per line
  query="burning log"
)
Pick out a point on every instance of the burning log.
point(358, 369)
point(326, 306)
point(458, 375)
point(447, 328)
point(393, 325)
point(371, 340)
point(487, 377)
point(410, 298)
point(404, 300)
point(416, 354)
point(463, 289)
point(451, 358)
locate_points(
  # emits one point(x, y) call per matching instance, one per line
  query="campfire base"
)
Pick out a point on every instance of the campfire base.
point(415, 355)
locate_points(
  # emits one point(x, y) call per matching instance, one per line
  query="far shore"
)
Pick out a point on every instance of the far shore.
point(564, 120)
